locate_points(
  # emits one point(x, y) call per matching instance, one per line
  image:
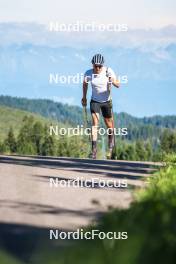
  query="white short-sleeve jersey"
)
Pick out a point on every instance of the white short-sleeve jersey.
point(99, 83)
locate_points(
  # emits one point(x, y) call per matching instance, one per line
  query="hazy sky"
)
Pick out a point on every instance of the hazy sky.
point(136, 13)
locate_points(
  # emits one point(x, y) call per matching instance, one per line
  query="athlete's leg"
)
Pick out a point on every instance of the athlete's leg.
point(95, 110)
point(95, 123)
point(110, 130)
point(109, 121)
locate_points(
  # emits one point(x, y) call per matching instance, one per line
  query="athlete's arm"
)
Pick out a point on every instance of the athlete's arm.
point(116, 83)
point(113, 79)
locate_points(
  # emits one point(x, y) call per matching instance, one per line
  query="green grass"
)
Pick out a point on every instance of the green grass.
point(6, 258)
point(12, 117)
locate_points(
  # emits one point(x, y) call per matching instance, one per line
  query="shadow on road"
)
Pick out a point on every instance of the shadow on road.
point(38, 209)
point(24, 242)
point(80, 165)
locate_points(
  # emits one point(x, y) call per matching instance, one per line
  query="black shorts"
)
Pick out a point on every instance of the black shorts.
point(106, 108)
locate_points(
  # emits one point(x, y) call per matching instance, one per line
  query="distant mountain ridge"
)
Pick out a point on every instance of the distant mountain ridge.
point(73, 114)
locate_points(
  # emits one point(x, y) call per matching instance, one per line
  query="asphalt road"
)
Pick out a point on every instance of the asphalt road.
point(26, 197)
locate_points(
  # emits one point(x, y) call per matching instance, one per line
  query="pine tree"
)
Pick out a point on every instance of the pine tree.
point(168, 141)
point(140, 150)
point(4, 148)
point(37, 137)
point(131, 153)
point(10, 141)
point(49, 144)
point(25, 144)
point(63, 146)
point(148, 150)
point(48, 147)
